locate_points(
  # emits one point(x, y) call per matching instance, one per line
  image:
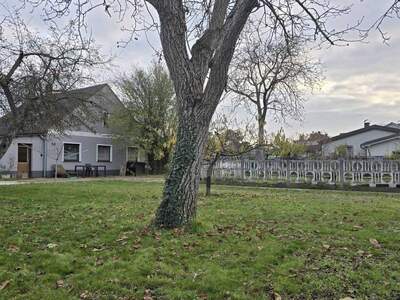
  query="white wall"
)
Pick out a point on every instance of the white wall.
point(355, 141)
point(385, 148)
point(10, 157)
point(88, 150)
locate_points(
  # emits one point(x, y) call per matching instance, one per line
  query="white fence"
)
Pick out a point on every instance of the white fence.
point(353, 172)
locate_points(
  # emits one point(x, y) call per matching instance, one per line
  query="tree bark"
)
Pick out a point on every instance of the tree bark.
point(178, 205)
point(209, 174)
point(260, 153)
point(196, 99)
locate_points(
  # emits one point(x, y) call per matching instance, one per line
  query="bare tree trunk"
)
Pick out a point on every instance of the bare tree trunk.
point(209, 174)
point(260, 153)
point(196, 100)
point(178, 206)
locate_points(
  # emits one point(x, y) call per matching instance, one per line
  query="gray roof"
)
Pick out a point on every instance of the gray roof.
point(365, 129)
point(65, 104)
point(381, 140)
point(394, 125)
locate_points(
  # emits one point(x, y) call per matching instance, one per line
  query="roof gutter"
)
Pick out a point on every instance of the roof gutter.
point(44, 156)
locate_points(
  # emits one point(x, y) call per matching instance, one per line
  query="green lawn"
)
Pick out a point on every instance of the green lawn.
point(91, 241)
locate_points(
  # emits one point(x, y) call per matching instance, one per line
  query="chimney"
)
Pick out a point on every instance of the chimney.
point(366, 123)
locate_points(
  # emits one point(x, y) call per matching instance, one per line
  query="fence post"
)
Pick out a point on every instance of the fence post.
point(341, 171)
point(242, 168)
point(288, 170)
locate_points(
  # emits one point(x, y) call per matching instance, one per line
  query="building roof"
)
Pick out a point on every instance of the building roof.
point(394, 125)
point(65, 103)
point(365, 129)
point(381, 140)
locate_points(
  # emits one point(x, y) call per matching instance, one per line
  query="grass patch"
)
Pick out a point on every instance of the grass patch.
point(91, 240)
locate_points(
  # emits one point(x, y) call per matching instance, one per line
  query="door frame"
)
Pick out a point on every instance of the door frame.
point(28, 148)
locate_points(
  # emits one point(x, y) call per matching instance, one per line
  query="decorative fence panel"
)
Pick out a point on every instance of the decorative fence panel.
point(353, 172)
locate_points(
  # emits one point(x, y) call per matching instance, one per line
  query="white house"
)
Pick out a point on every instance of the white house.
point(35, 154)
point(369, 141)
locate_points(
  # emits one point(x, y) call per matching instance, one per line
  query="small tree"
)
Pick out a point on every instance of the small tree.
point(341, 151)
point(224, 141)
point(149, 117)
point(285, 147)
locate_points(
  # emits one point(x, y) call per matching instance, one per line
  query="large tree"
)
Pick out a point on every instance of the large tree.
point(148, 119)
point(270, 75)
point(37, 70)
point(198, 39)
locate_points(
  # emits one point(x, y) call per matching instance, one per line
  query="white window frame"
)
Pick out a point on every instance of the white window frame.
point(80, 152)
point(97, 152)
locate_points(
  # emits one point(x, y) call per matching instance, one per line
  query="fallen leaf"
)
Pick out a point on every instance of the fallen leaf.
point(99, 262)
point(97, 249)
point(122, 238)
point(4, 285)
point(375, 243)
point(13, 248)
point(276, 296)
point(84, 295)
point(326, 246)
point(202, 297)
point(346, 298)
point(60, 283)
point(157, 236)
point(52, 246)
point(147, 295)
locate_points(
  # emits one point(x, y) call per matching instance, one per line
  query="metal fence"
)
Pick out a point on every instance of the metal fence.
point(353, 172)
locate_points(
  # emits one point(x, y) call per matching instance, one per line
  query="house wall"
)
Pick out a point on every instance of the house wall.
point(385, 148)
point(88, 143)
point(10, 159)
point(328, 149)
point(106, 101)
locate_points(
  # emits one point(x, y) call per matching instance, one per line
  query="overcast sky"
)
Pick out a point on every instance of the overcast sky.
point(361, 81)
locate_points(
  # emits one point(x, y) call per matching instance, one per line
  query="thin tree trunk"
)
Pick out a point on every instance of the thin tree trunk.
point(209, 174)
point(260, 153)
point(178, 206)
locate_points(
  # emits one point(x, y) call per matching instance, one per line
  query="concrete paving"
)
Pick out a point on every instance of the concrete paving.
point(75, 179)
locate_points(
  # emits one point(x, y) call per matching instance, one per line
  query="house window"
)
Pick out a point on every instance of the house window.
point(133, 154)
point(22, 154)
point(71, 152)
point(104, 153)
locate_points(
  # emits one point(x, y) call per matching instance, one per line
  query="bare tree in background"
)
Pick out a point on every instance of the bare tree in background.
point(270, 75)
point(36, 72)
point(198, 39)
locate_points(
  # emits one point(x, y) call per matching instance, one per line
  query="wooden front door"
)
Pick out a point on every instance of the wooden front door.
point(24, 160)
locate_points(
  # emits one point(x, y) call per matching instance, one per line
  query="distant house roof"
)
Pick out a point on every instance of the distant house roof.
point(365, 129)
point(381, 140)
point(65, 104)
point(393, 125)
